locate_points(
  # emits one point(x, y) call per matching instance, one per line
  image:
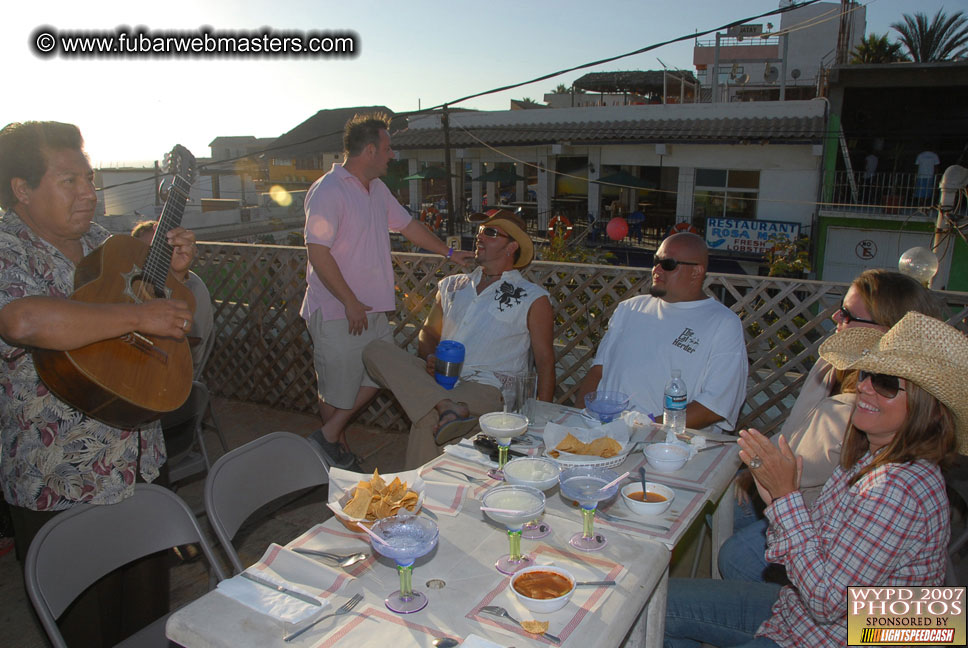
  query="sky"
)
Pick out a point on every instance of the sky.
point(420, 53)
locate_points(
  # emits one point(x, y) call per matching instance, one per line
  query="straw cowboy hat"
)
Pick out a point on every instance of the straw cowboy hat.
point(919, 348)
point(515, 228)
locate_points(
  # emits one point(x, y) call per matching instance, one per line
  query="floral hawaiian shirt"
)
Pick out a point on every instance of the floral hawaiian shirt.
point(53, 456)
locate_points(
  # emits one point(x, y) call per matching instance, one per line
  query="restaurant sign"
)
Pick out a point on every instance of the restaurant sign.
point(750, 237)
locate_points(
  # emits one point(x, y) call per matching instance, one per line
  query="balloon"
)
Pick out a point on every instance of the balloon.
point(617, 228)
point(919, 263)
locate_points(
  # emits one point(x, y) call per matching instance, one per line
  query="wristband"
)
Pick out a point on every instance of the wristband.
point(450, 252)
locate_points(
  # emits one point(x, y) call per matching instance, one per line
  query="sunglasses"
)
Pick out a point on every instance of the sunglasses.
point(669, 264)
point(848, 317)
point(492, 232)
point(883, 384)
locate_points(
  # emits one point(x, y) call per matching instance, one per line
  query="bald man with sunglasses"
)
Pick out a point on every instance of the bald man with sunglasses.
point(676, 326)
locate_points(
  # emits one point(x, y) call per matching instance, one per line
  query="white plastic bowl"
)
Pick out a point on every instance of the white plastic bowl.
point(536, 472)
point(647, 508)
point(544, 606)
point(666, 457)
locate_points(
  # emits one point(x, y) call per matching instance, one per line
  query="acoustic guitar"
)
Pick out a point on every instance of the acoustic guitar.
point(135, 378)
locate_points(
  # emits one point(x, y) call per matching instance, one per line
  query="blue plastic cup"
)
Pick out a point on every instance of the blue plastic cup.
point(450, 360)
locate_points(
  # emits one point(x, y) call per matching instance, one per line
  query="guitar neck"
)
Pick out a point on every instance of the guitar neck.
point(159, 256)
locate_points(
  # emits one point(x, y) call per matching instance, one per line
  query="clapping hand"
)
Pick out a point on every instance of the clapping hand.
point(776, 471)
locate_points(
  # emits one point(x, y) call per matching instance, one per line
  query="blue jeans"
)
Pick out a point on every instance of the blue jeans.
point(741, 558)
point(744, 515)
point(719, 612)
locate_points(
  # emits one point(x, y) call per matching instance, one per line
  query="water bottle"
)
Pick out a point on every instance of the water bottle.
point(450, 361)
point(674, 414)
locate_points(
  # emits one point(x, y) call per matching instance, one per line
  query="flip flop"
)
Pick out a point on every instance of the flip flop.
point(458, 428)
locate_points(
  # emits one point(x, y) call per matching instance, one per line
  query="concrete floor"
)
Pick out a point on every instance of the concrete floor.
point(242, 422)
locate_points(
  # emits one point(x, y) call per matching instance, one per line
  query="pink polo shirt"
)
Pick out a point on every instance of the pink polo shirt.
point(354, 224)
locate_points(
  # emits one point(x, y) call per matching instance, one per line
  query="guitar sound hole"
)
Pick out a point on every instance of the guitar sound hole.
point(146, 290)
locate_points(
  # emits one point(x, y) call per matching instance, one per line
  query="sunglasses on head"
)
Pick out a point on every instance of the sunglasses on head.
point(669, 264)
point(883, 384)
point(492, 232)
point(848, 317)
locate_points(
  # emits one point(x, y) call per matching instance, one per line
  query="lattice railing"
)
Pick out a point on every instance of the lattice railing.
point(263, 353)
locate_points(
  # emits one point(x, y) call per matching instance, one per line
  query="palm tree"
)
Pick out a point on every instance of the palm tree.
point(877, 49)
point(561, 89)
point(944, 38)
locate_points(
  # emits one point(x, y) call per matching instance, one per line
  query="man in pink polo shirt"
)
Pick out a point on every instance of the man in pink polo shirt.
point(349, 213)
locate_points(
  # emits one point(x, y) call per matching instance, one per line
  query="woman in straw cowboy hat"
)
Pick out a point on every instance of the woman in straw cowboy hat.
point(815, 427)
point(882, 518)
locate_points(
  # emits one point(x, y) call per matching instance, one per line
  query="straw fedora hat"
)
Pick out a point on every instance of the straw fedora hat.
point(515, 228)
point(919, 348)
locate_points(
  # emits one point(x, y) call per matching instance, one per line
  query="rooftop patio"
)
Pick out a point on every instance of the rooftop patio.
point(261, 371)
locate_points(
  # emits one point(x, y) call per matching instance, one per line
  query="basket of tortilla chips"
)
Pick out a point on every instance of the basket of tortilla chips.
point(605, 446)
point(363, 499)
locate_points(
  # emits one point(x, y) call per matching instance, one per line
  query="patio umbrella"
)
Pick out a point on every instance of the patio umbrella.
point(429, 173)
point(625, 179)
point(502, 176)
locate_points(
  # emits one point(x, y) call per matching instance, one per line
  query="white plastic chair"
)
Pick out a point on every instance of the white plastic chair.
point(76, 548)
point(255, 474)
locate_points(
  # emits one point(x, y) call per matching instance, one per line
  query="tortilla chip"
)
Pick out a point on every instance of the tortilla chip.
point(570, 444)
point(554, 453)
point(604, 447)
point(358, 506)
point(375, 499)
point(377, 482)
point(535, 627)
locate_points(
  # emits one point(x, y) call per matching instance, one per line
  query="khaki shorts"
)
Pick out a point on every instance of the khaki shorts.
point(338, 356)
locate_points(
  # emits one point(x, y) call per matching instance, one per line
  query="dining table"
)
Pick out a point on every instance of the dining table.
point(459, 577)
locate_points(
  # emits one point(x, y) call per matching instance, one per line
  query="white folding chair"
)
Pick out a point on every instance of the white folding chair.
point(76, 548)
point(255, 474)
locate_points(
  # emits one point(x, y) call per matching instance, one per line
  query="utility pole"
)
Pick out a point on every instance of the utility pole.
point(451, 205)
point(843, 34)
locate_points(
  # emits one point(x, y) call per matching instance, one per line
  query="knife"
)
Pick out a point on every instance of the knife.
point(305, 598)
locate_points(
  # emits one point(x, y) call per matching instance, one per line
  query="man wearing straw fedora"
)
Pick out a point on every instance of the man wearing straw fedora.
point(499, 317)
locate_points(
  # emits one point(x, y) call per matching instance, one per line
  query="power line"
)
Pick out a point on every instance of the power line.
point(516, 85)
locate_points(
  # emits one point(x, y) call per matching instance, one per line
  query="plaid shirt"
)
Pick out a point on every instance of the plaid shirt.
point(889, 529)
point(53, 456)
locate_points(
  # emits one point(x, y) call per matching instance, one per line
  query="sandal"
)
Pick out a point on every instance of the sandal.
point(454, 429)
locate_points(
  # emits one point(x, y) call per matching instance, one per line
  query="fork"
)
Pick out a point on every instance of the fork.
point(455, 473)
point(343, 609)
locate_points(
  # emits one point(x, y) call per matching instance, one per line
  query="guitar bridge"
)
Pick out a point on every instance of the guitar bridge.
point(145, 345)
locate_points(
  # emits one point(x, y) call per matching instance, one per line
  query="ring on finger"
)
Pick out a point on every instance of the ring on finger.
point(755, 462)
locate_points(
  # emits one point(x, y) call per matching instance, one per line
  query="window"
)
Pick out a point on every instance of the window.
point(722, 193)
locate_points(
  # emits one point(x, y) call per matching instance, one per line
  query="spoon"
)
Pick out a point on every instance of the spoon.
point(444, 642)
point(642, 475)
point(342, 561)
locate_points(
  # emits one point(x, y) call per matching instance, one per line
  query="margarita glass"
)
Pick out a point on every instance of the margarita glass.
point(584, 484)
point(512, 506)
point(503, 426)
point(407, 538)
point(536, 472)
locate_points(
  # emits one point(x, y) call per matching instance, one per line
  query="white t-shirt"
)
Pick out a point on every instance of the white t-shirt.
point(926, 162)
point(648, 337)
point(492, 326)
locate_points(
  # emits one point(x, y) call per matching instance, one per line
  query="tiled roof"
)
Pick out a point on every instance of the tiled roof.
point(323, 132)
point(780, 130)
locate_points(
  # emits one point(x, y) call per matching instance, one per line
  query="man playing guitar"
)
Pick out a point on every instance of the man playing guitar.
point(53, 455)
